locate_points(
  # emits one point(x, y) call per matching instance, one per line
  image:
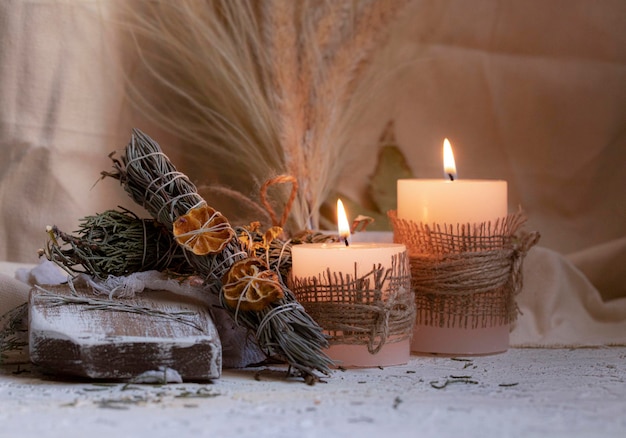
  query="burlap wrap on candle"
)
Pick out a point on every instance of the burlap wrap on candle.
point(372, 310)
point(464, 275)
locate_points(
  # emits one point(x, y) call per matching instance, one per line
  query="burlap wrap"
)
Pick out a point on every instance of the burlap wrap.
point(372, 310)
point(465, 275)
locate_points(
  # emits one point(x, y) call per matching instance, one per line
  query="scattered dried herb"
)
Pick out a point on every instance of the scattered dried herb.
point(464, 379)
point(14, 332)
point(199, 393)
point(94, 389)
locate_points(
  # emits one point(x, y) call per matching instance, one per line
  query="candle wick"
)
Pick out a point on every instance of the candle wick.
point(451, 176)
point(345, 240)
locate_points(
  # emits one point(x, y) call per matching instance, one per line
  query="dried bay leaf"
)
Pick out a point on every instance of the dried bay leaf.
point(383, 189)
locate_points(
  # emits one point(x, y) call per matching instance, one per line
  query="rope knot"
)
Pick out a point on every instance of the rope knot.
point(280, 179)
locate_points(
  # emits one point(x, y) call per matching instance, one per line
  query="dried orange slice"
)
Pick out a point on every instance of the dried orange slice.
point(203, 230)
point(249, 285)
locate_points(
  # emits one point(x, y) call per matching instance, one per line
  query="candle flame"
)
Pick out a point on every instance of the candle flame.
point(449, 167)
point(342, 222)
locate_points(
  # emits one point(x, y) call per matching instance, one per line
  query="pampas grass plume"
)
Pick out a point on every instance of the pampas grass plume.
point(259, 88)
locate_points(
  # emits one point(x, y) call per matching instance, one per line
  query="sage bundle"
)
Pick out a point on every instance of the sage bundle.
point(251, 290)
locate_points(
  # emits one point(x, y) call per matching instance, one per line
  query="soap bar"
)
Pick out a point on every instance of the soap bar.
point(91, 336)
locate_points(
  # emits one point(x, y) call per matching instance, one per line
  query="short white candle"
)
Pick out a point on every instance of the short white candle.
point(313, 259)
point(357, 259)
point(451, 201)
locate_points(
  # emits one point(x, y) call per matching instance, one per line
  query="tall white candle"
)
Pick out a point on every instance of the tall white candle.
point(451, 201)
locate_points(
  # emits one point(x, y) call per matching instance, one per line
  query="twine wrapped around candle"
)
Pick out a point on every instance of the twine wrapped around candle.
point(372, 310)
point(464, 275)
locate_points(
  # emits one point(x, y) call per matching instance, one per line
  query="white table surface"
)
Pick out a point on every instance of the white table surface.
point(523, 392)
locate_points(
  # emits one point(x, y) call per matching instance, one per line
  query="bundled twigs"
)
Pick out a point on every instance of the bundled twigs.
point(213, 250)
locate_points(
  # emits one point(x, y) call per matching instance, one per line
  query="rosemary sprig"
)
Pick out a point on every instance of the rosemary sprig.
point(115, 243)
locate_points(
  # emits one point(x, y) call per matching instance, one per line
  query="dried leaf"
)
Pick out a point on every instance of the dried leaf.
point(270, 235)
point(391, 166)
point(382, 190)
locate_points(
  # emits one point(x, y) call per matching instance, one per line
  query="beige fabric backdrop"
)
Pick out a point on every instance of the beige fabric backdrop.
point(533, 92)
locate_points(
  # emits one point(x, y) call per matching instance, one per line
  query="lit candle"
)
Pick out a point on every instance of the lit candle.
point(451, 201)
point(355, 260)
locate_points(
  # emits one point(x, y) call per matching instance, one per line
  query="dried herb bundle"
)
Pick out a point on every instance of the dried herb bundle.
point(153, 182)
point(115, 243)
point(283, 329)
point(119, 243)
